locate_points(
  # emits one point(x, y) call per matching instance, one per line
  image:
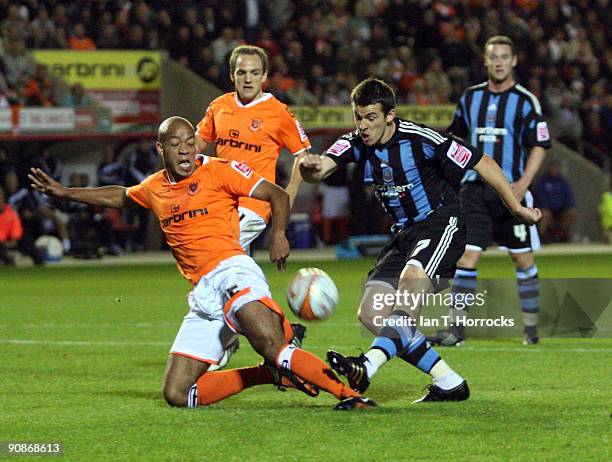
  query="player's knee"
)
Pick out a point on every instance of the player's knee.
point(175, 396)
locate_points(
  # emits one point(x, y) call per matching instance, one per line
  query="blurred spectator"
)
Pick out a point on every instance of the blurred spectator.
point(78, 40)
point(142, 162)
point(300, 95)
point(12, 235)
point(49, 164)
point(76, 97)
point(437, 81)
point(605, 215)
point(39, 89)
point(223, 45)
point(110, 170)
point(556, 200)
point(16, 62)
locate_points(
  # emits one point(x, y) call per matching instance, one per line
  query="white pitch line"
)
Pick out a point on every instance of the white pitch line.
point(524, 349)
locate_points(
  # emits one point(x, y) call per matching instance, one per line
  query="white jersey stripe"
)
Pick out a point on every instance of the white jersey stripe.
point(411, 126)
point(436, 140)
point(532, 97)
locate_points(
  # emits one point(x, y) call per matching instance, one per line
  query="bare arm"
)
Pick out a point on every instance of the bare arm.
point(107, 196)
point(315, 168)
point(279, 201)
point(201, 146)
point(493, 175)
point(536, 158)
point(296, 179)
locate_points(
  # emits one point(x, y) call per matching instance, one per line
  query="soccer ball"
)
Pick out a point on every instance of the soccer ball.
point(51, 247)
point(312, 294)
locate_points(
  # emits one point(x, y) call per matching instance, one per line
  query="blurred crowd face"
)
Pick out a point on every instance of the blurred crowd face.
point(373, 125)
point(499, 62)
point(249, 77)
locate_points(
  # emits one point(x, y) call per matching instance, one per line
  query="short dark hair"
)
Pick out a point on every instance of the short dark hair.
point(372, 91)
point(500, 40)
point(248, 50)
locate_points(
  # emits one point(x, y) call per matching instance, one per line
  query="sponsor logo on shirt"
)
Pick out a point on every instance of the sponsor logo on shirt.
point(178, 217)
point(459, 154)
point(242, 168)
point(339, 147)
point(542, 133)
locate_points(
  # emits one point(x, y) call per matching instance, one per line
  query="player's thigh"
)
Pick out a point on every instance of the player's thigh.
point(413, 280)
point(476, 215)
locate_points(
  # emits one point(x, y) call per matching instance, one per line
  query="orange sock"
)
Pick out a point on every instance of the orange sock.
point(218, 385)
point(312, 369)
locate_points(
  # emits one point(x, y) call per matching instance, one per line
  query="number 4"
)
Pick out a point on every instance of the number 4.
point(520, 231)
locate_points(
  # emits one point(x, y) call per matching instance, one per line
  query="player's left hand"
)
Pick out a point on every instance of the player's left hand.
point(279, 251)
point(528, 216)
point(519, 189)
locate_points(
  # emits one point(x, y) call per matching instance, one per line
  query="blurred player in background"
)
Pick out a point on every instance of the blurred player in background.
point(504, 120)
point(416, 173)
point(195, 204)
point(253, 126)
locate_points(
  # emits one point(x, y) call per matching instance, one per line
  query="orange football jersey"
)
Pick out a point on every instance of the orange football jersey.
point(254, 133)
point(196, 213)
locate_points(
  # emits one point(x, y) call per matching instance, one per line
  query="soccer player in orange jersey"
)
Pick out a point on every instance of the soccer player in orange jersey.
point(252, 126)
point(195, 204)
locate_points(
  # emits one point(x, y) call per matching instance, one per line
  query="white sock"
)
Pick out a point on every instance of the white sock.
point(376, 358)
point(66, 243)
point(444, 377)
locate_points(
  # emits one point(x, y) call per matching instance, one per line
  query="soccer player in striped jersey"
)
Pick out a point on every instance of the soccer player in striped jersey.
point(504, 120)
point(416, 173)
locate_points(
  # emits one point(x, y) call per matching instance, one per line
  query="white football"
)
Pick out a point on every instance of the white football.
point(312, 294)
point(51, 247)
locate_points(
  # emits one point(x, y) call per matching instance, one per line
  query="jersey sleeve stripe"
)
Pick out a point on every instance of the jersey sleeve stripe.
point(409, 127)
point(255, 186)
point(297, 153)
point(532, 97)
point(435, 139)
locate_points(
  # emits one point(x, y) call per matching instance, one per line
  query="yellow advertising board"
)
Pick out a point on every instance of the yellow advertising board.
point(342, 116)
point(105, 69)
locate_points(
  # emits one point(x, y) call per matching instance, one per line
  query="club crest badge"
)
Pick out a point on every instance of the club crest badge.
point(256, 124)
point(193, 188)
point(175, 208)
point(387, 173)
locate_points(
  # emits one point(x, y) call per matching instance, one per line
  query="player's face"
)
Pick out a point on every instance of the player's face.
point(248, 77)
point(499, 62)
point(373, 125)
point(178, 151)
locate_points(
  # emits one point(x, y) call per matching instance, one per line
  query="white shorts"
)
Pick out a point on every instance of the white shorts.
point(335, 202)
point(251, 226)
point(213, 303)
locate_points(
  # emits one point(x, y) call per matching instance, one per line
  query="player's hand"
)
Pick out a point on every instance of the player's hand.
point(519, 189)
point(279, 250)
point(528, 216)
point(45, 184)
point(311, 162)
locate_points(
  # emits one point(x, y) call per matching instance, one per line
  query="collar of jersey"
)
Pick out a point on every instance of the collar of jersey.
point(264, 97)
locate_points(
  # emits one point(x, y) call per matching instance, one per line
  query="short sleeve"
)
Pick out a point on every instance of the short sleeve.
point(292, 134)
point(237, 178)
point(457, 157)
point(536, 131)
point(139, 194)
point(206, 127)
point(344, 150)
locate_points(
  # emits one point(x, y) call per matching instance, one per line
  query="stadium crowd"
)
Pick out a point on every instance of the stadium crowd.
point(428, 50)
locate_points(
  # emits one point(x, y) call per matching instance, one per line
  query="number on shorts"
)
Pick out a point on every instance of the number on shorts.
point(520, 231)
point(420, 246)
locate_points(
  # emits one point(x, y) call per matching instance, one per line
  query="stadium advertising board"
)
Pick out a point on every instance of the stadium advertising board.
point(38, 119)
point(126, 82)
point(342, 116)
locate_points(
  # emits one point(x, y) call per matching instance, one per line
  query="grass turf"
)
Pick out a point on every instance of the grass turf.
point(84, 351)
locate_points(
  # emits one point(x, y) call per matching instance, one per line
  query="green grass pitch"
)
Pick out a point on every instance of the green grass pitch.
point(84, 350)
